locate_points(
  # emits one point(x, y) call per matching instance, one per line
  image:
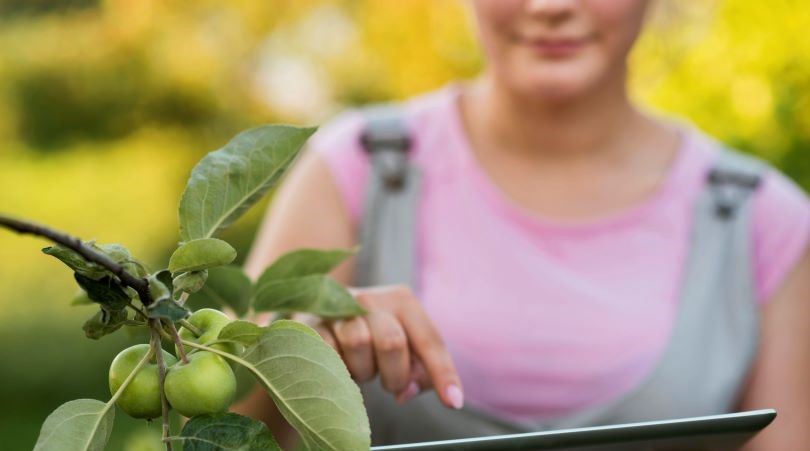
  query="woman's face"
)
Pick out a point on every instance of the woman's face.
point(557, 49)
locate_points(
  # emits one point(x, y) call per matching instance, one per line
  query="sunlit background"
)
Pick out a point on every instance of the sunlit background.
point(106, 104)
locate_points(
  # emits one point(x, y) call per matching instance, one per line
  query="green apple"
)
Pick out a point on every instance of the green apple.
point(205, 384)
point(209, 321)
point(141, 398)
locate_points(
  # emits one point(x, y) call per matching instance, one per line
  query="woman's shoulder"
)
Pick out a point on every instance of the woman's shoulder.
point(780, 222)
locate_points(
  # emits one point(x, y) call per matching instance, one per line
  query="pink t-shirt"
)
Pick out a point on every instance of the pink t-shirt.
point(546, 318)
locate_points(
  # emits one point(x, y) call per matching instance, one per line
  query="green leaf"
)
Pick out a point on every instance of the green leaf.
point(245, 382)
point(104, 323)
point(122, 256)
point(311, 387)
point(165, 277)
point(201, 254)
point(76, 262)
point(304, 262)
point(105, 291)
point(189, 282)
point(317, 294)
point(226, 432)
point(116, 252)
point(78, 425)
point(227, 287)
point(167, 308)
point(226, 182)
point(242, 332)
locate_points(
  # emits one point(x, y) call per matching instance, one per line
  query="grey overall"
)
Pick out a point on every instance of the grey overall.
point(714, 338)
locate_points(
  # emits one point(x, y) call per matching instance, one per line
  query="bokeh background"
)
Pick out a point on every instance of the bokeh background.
point(105, 105)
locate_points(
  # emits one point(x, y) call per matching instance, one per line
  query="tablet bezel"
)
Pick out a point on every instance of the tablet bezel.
point(745, 423)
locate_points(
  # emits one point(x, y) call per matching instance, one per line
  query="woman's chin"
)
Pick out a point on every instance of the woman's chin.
point(551, 91)
point(555, 83)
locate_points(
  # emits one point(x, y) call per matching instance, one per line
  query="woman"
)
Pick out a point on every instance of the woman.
point(553, 246)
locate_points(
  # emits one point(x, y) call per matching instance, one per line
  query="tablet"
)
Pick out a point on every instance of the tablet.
point(711, 433)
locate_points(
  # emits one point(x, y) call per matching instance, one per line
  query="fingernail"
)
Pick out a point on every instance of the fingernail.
point(455, 396)
point(409, 392)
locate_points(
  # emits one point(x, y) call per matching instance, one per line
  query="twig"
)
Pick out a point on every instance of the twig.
point(161, 363)
point(141, 286)
point(181, 349)
point(166, 335)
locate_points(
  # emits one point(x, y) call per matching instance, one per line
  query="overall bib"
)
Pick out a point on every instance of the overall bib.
point(712, 345)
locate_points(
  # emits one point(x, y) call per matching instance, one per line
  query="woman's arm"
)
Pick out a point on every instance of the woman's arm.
point(781, 373)
point(307, 211)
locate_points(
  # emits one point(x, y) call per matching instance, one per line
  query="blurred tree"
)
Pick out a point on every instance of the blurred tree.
point(57, 106)
point(10, 8)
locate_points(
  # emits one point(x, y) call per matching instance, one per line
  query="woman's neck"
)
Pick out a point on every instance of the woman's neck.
point(599, 124)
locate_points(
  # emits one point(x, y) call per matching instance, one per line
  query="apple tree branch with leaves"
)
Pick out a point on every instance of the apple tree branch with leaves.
point(304, 376)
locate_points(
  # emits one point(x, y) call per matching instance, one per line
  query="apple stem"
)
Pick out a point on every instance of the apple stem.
point(181, 349)
point(161, 364)
point(191, 328)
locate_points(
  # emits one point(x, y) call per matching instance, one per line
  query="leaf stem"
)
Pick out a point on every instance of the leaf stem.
point(181, 349)
point(138, 310)
point(227, 355)
point(131, 376)
point(141, 286)
point(161, 364)
point(191, 327)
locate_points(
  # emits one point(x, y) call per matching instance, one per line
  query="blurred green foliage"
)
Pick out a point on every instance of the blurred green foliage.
point(21, 7)
point(105, 105)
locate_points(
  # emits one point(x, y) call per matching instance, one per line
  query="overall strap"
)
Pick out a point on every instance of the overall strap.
point(732, 180)
point(387, 234)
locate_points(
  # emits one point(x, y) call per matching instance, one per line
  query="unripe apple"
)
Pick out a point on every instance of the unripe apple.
point(141, 398)
point(210, 322)
point(205, 384)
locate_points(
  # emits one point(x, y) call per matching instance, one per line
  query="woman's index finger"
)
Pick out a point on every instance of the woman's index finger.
point(429, 347)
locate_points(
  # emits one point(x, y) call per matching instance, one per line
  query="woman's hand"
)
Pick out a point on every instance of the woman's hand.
point(396, 340)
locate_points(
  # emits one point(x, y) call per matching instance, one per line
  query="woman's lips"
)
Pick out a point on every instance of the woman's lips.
point(557, 47)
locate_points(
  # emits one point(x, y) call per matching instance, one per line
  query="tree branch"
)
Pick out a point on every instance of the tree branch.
point(161, 364)
point(141, 286)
